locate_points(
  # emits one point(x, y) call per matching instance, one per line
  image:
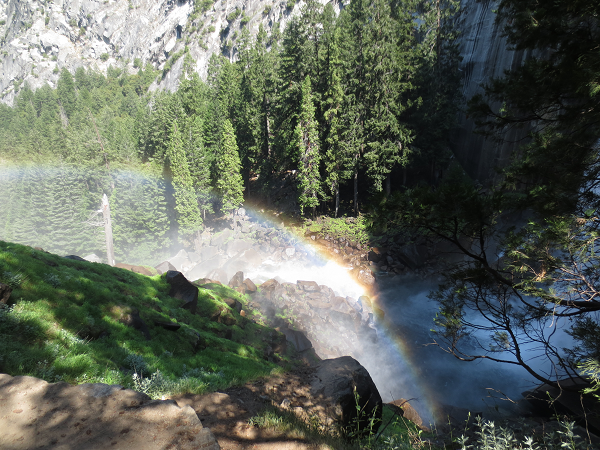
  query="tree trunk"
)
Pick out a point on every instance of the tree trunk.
point(337, 198)
point(388, 185)
point(110, 252)
point(356, 191)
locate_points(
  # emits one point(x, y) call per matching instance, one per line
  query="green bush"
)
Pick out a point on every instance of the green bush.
point(104, 56)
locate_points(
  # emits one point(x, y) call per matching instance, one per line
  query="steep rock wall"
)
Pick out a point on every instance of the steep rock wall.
point(486, 55)
point(40, 37)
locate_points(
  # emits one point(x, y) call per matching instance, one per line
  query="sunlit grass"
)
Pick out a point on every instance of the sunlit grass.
point(65, 322)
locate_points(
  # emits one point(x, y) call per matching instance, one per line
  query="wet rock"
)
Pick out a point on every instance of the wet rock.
point(237, 280)
point(220, 238)
point(308, 286)
point(164, 266)
point(208, 252)
point(218, 275)
point(233, 304)
point(182, 289)
point(237, 246)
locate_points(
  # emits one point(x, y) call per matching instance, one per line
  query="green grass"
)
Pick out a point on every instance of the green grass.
point(353, 229)
point(65, 322)
point(394, 433)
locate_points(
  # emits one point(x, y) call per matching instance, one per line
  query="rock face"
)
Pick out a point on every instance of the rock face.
point(485, 55)
point(36, 414)
point(42, 36)
point(349, 387)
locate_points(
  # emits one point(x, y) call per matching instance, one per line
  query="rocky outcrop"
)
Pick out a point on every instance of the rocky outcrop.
point(37, 414)
point(41, 37)
point(311, 315)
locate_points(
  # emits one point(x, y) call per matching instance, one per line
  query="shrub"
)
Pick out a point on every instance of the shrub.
point(104, 56)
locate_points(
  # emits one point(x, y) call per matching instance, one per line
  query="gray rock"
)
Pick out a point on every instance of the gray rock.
point(164, 266)
point(92, 257)
point(218, 275)
point(136, 422)
point(5, 291)
point(220, 238)
point(308, 286)
point(297, 338)
point(339, 380)
point(205, 267)
point(208, 252)
point(182, 289)
point(237, 280)
point(237, 246)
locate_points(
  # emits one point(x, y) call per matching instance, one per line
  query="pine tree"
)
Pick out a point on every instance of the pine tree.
point(67, 95)
point(307, 140)
point(189, 217)
point(229, 178)
point(338, 161)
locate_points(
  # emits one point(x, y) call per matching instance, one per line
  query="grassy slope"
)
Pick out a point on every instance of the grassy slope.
point(66, 323)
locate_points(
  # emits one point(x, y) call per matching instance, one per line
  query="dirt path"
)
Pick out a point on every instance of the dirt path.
point(227, 413)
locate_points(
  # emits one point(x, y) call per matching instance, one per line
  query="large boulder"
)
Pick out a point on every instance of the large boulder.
point(137, 269)
point(297, 338)
point(182, 289)
point(349, 388)
point(165, 266)
point(36, 414)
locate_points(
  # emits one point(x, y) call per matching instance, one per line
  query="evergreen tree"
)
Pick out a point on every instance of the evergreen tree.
point(338, 161)
point(229, 179)
point(189, 217)
point(67, 95)
point(307, 140)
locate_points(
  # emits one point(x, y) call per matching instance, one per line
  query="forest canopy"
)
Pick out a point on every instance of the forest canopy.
point(334, 103)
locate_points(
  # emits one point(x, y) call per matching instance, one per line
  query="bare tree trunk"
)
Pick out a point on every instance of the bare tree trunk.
point(388, 184)
point(356, 191)
point(110, 252)
point(337, 199)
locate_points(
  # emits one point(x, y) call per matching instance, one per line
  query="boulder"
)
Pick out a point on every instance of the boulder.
point(208, 252)
point(220, 238)
point(237, 246)
point(135, 321)
point(249, 285)
point(137, 269)
point(75, 258)
point(297, 338)
point(164, 266)
point(233, 304)
point(92, 257)
point(5, 291)
point(290, 251)
point(182, 289)
point(170, 326)
point(349, 388)
point(404, 409)
point(237, 280)
point(218, 275)
point(549, 401)
point(308, 286)
point(37, 414)
point(181, 261)
point(205, 267)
